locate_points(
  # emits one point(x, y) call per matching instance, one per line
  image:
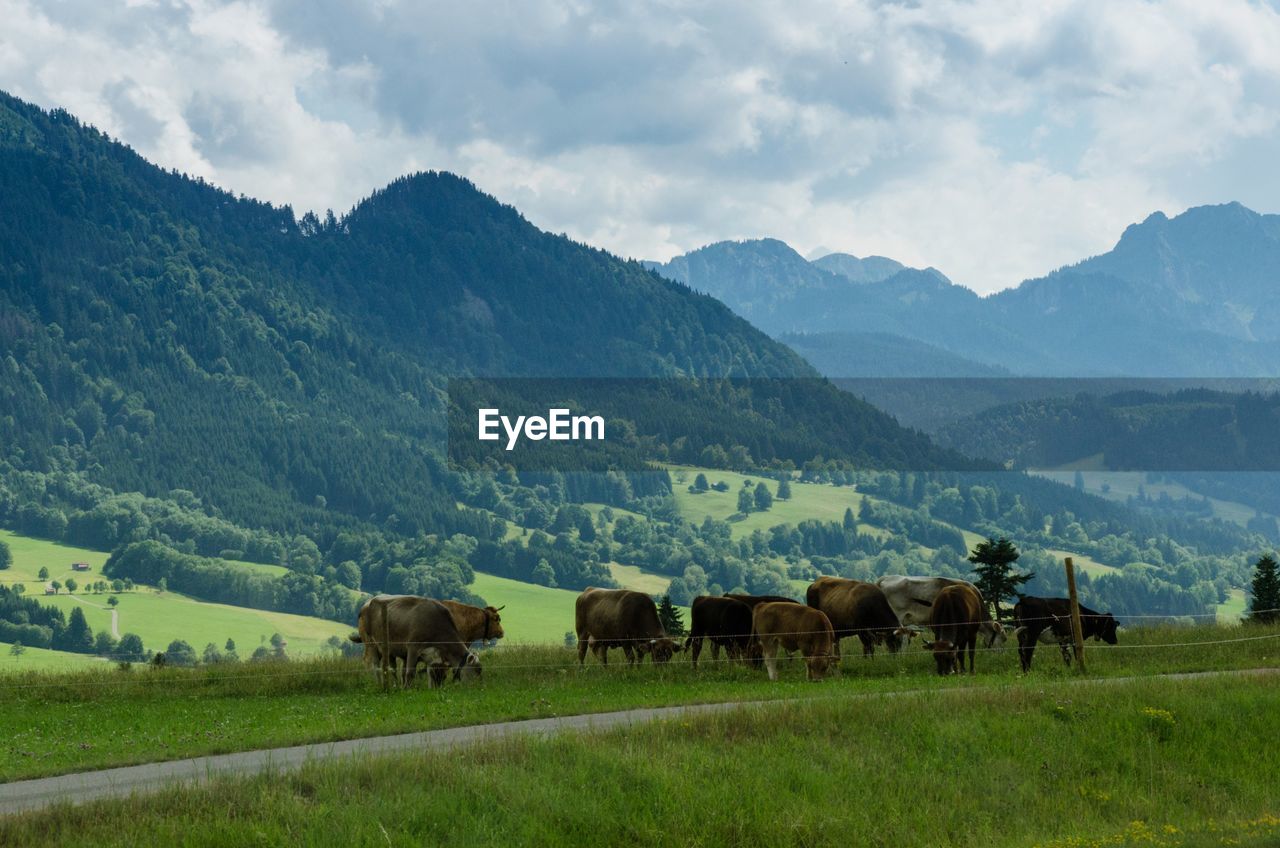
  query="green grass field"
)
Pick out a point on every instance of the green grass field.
point(157, 617)
point(1122, 485)
point(808, 500)
point(534, 614)
point(634, 577)
point(145, 715)
point(40, 659)
point(1165, 763)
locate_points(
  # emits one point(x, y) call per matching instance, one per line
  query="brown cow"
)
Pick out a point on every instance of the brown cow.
point(857, 609)
point(476, 624)
point(793, 627)
point(620, 618)
point(414, 629)
point(958, 613)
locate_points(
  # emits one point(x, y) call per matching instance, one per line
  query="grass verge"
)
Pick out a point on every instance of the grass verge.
point(1179, 764)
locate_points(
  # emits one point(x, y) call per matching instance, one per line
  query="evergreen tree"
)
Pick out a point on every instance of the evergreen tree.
point(79, 637)
point(992, 562)
point(850, 523)
point(6, 558)
point(784, 489)
point(763, 497)
point(670, 617)
point(700, 483)
point(1265, 606)
point(745, 501)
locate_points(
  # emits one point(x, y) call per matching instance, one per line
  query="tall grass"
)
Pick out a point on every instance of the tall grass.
point(1151, 763)
point(54, 723)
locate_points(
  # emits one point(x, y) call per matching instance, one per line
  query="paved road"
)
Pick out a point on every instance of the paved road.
point(79, 788)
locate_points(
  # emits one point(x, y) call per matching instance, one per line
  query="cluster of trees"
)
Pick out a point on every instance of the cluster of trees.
point(27, 622)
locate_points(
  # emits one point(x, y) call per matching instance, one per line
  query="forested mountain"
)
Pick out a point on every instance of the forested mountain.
point(1188, 430)
point(160, 334)
point(1190, 296)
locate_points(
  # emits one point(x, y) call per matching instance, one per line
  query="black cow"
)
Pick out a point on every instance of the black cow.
point(725, 622)
point(1033, 616)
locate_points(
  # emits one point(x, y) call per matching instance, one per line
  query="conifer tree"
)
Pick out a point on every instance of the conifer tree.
point(1265, 606)
point(992, 562)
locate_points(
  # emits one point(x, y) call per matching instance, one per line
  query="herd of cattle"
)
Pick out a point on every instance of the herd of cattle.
point(400, 632)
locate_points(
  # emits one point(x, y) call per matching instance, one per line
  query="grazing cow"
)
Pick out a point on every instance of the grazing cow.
point(476, 624)
point(369, 631)
point(857, 609)
point(414, 629)
point(621, 618)
point(912, 601)
point(793, 627)
point(1037, 616)
point(725, 622)
point(958, 611)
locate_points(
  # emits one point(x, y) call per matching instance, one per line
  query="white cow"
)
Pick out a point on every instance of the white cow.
point(911, 599)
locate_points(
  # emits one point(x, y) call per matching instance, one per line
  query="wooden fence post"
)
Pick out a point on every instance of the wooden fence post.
point(1077, 633)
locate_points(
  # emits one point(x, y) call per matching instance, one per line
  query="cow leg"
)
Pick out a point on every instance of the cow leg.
point(410, 665)
point(715, 651)
point(1067, 650)
point(696, 644)
point(868, 645)
point(1027, 637)
point(584, 642)
point(973, 647)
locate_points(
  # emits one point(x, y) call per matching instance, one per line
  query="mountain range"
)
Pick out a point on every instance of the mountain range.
point(1196, 295)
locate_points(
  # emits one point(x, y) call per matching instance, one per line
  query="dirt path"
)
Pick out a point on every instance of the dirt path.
point(115, 614)
point(37, 794)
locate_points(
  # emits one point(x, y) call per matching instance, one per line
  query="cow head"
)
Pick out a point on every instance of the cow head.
point(895, 640)
point(468, 669)
point(493, 622)
point(1107, 625)
point(906, 634)
point(819, 664)
point(944, 654)
point(995, 634)
point(663, 648)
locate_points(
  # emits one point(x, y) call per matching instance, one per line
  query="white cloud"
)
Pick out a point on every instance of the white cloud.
point(993, 139)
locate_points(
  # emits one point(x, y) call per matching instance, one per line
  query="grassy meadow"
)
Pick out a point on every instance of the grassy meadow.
point(56, 723)
point(1142, 763)
point(158, 617)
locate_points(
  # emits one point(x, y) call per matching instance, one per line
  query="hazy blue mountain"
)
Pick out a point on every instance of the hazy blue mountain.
point(870, 269)
point(1197, 295)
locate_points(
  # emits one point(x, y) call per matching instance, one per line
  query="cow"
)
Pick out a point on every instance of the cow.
point(912, 600)
point(957, 613)
point(476, 624)
point(620, 618)
point(1036, 616)
point(857, 609)
point(410, 629)
point(724, 622)
point(753, 600)
point(793, 627)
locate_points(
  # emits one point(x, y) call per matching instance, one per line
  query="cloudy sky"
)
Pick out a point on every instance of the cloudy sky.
point(994, 140)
